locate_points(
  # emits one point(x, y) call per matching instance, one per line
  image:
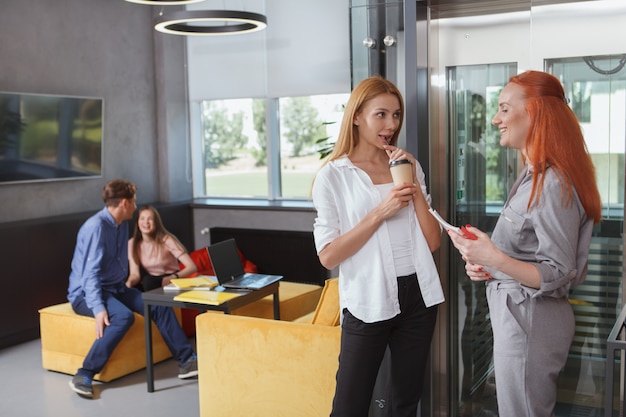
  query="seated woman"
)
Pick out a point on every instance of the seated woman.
point(154, 253)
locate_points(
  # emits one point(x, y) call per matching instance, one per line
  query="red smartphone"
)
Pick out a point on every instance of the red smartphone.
point(467, 233)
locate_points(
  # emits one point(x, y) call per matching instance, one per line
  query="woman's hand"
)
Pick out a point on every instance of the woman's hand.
point(167, 279)
point(396, 153)
point(350, 242)
point(481, 251)
point(477, 272)
point(133, 279)
point(476, 253)
point(400, 195)
point(429, 225)
point(397, 199)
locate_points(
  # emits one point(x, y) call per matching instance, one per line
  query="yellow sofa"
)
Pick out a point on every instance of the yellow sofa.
point(66, 337)
point(296, 300)
point(258, 367)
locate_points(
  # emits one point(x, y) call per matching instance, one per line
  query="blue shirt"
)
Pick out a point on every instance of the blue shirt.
point(100, 260)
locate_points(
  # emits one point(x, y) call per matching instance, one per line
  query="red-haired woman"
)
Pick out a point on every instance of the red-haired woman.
point(540, 245)
point(156, 251)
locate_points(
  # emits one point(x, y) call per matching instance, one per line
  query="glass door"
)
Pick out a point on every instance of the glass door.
point(596, 87)
point(376, 32)
point(482, 172)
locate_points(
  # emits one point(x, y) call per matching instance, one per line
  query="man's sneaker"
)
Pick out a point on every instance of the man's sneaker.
point(82, 385)
point(189, 369)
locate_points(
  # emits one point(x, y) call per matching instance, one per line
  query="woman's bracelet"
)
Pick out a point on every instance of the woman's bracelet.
point(176, 274)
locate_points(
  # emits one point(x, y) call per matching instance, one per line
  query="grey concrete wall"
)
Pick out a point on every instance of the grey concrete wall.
point(102, 48)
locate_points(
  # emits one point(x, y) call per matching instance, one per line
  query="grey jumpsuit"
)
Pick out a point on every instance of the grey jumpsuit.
point(533, 329)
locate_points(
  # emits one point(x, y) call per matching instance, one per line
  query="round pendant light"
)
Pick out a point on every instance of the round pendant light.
point(210, 22)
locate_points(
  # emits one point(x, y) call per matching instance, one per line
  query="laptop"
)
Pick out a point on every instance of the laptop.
point(229, 269)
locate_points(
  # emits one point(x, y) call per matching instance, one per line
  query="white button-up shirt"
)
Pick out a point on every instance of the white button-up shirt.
point(343, 195)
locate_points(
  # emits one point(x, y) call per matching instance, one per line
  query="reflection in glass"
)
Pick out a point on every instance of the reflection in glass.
point(45, 137)
point(596, 87)
point(482, 171)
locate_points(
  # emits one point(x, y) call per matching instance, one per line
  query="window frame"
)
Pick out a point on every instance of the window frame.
point(273, 155)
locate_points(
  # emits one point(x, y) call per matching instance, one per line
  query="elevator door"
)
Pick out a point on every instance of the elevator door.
point(482, 173)
point(596, 89)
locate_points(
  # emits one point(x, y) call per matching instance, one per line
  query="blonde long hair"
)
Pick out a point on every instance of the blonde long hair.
point(365, 91)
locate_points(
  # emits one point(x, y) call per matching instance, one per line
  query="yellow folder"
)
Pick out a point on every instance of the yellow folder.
point(206, 297)
point(203, 282)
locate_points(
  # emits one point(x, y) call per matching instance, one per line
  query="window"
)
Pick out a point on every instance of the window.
point(234, 148)
point(266, 148)
point(596, 88)
point(306, 126)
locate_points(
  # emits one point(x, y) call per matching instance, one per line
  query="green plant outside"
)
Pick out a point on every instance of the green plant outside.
point(295, 185)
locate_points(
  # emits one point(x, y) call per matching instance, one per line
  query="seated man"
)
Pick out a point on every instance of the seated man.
point(97, 288)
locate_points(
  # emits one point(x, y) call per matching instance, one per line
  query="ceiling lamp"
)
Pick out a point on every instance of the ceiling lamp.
point(164, 2)
point(207, 22)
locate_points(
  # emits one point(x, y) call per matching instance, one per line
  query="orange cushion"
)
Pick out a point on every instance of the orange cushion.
point(201, 258)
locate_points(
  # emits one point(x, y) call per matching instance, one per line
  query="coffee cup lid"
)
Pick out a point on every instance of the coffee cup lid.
point(399, 162)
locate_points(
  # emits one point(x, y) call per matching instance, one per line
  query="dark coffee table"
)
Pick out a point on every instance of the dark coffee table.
point(160, 297)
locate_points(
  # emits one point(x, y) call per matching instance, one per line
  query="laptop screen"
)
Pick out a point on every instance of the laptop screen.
point(225, 259)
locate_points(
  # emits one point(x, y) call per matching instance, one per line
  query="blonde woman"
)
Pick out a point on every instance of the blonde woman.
point(381, 236)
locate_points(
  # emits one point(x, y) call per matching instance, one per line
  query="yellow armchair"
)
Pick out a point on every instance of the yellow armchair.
point(66, 337)
point(259, 367)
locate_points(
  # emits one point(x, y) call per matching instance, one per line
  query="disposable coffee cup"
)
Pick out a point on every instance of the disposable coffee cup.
point(401, 171)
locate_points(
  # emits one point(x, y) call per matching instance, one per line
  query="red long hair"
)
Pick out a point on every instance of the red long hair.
point(555, 139)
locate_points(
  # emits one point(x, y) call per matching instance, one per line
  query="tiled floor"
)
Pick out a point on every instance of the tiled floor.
point(27, 390)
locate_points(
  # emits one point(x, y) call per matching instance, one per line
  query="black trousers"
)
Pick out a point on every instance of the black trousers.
point(363, 345)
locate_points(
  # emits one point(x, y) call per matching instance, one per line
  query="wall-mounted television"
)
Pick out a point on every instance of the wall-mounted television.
point(49, 137)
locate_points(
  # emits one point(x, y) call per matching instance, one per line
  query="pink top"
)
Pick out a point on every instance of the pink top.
point(158, 258)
